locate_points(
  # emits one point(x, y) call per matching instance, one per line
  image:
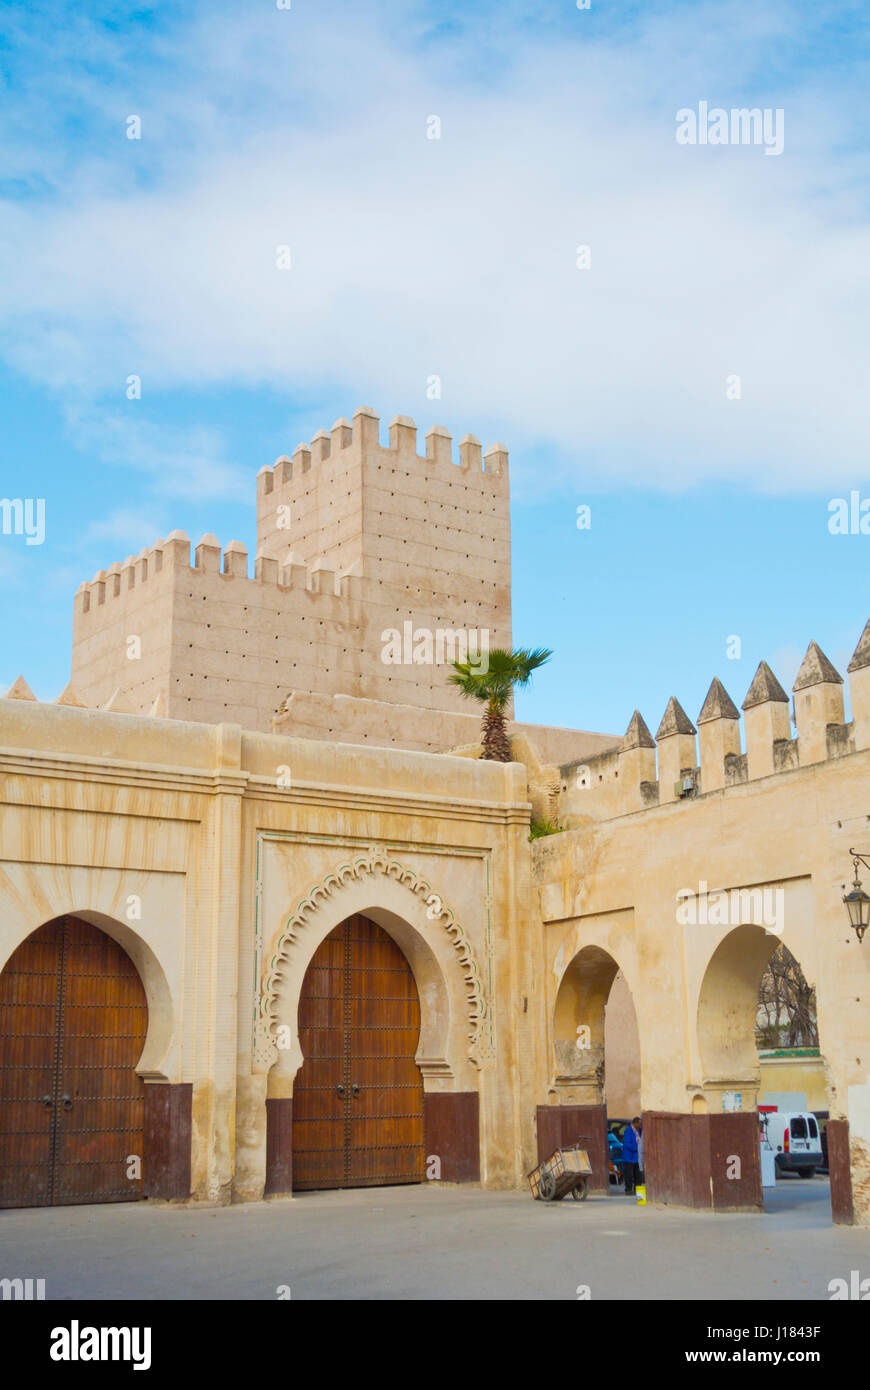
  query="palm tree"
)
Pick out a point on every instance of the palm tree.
point(494, 687)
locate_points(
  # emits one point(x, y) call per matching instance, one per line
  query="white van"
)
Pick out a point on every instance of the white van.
point(796, 1142)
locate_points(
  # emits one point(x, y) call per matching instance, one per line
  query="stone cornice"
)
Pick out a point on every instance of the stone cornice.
point(80, 768)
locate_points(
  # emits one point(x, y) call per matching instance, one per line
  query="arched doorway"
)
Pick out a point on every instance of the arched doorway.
point(358, 1096)
point(73, 1020)
point(754, 993)
point(596, 1078)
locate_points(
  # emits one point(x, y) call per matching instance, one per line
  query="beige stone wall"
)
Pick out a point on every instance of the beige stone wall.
point(613, 895)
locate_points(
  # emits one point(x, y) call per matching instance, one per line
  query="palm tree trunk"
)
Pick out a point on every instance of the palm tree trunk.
point(496, 744)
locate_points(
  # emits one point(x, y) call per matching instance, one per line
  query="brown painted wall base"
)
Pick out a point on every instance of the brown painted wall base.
point(452, 1134)
point(166, 1140)
point(842, 1209)
point(690, 1160)
point(279, 1147)
point(563, 1126)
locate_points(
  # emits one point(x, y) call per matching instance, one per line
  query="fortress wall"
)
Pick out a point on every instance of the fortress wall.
point(133, 600)
point(354, 540)
point(221, 646)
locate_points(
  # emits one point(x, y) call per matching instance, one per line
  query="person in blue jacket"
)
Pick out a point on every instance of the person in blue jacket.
point(630, 1163)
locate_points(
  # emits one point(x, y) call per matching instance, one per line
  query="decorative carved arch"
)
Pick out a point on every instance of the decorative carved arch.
point(375, 862)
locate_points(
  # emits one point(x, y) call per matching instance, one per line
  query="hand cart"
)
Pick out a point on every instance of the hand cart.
point(566, 1170)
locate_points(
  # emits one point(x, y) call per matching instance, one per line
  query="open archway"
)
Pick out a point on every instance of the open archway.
point(596, 1061)
point(594, 1022)
point(737, 1013)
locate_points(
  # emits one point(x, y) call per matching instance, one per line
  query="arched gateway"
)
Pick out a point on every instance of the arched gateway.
point(358, 1096)
point(73, 1020)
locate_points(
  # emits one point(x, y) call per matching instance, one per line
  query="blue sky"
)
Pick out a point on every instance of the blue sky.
point(455, 257)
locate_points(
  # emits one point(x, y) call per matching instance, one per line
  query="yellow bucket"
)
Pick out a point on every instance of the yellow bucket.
point(640, 1192)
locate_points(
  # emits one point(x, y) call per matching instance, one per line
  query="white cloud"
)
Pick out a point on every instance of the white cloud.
point(457, 257)
point(127, 528)
point(180, 462)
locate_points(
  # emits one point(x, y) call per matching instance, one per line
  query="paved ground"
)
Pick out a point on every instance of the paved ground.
point(436, 1243)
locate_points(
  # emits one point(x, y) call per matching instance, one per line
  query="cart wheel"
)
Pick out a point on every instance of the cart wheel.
point(546, 1187)
point(581, 1191)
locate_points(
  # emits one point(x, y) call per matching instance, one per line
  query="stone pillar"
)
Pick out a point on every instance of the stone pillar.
point(214, 1093)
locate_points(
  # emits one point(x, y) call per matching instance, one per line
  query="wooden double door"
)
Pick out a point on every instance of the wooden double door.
point(73, 1019)
point(358, 1096)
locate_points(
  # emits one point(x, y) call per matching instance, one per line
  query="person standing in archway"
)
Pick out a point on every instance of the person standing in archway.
point(630, 1153)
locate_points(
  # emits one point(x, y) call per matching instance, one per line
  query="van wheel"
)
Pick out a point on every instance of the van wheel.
point(806, 1172)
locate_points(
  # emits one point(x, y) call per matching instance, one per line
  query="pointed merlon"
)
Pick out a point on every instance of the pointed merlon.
point(718, 704)
point(69, 697)
point(764, 688)
point(816, 669)
point(861, 655)
point(19, 690)
point(637, 735)
point(675, 721)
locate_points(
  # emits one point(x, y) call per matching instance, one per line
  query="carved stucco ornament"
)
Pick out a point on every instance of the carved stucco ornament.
point(375, 862)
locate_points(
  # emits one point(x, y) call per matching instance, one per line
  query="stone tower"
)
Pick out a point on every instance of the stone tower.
point(354, 541)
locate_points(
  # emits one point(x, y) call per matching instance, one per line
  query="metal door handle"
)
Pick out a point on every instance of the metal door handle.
point(66, 1102)
point(46, 1101)
point(339, 1089)
point(354, 1090)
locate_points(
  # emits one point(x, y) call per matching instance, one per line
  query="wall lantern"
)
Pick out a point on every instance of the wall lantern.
point(857, 902)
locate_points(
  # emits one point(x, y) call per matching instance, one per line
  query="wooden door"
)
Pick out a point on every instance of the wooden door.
point(358, 1097)
point(73, 1019)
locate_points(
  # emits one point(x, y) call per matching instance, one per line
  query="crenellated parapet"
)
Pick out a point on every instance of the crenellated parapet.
point(173, 557)
point(391, 512)
point(651, 772)
point(345, 442)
